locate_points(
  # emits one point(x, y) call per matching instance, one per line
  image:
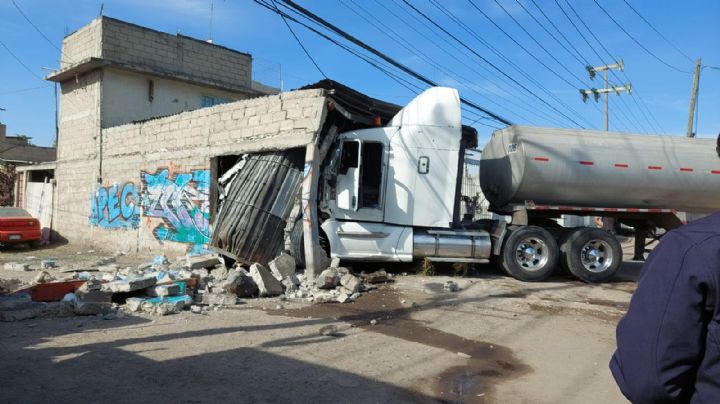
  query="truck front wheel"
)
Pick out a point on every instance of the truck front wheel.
point(530, 254)
point(591, 255)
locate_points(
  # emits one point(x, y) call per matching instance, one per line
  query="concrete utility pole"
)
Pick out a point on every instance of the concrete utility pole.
point(693, 99)
point(607, 90)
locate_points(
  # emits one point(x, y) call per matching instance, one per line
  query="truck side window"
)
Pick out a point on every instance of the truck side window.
point(371, 178)
point(349, 157)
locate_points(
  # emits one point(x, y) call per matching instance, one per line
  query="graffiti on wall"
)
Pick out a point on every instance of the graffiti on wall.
point(115, 207)
point(182, 203)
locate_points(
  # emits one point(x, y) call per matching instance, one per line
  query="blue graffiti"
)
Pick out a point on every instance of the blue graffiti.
point(115, 207)
point(182, 203)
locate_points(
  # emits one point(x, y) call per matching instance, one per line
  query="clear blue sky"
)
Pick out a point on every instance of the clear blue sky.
point(659, 102)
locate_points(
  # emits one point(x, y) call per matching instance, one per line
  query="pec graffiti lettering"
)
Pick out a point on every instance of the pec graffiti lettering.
point(116, 207)
point(182, 202)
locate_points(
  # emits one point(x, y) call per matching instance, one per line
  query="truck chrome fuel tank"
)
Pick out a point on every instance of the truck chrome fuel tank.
point(451, 244)
point(600, 169)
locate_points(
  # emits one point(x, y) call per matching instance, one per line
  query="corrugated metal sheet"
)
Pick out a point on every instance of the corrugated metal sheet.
point(251, 222)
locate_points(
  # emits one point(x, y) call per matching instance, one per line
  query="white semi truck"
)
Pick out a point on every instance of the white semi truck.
point(392, 193)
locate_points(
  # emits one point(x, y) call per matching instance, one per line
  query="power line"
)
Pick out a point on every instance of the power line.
point(582, 83)
point(23, 90)
point(19, 61)
point(638, 42)
point(36, 28)
point(532, 108)
point(393, 76)
point(381, 55)
point(577, 29)
point(299, 42)
point(658, 32)
point(398, 38)
point(488, 62)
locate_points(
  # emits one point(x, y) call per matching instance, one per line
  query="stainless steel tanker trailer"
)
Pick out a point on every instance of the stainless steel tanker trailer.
point(392, 193)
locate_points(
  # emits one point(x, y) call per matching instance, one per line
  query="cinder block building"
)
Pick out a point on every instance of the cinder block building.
point(146, 121)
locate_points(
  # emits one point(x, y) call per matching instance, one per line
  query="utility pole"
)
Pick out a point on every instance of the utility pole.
point(595, 92)
point(693, 99)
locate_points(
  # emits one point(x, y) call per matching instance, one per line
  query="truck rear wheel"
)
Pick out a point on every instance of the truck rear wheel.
point(530, 254)
point(591, 255)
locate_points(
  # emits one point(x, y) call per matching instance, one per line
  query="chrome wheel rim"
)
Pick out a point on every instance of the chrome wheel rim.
point(596, 256)
point(532, 253)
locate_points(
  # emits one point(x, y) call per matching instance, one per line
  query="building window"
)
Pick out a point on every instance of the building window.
point(209, 101)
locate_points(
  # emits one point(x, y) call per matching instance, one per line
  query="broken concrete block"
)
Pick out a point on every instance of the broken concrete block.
point(282, 266)
point(23, 311)
point(220, 272)
point(328, 279)
point(130, 285)
point(14, 266)
point(94, 296)
point(221, 299)
point(266, 283)
point(343, 297)
point(104, 261)
point(334, 262)
point(92, 308)
point(203, 261)
point(291, 284)
point(134, 304)
point(351, 283)
point(108, 268)
point(164, 290)
point(43, 277)
point(92, 284)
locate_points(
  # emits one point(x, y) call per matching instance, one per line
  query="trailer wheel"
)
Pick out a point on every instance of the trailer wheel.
point(530, 254)
point(591, 255)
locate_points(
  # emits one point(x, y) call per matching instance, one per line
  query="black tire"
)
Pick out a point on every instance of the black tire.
point(530, 254)
point(591, 255)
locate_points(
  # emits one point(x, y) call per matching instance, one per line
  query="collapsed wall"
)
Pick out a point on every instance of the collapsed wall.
point(146, 186)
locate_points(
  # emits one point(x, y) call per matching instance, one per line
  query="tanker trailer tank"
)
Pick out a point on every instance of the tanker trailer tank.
point(594, 168)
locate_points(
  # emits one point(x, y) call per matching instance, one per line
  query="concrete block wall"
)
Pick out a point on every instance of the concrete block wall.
point(179, 144)
point(177, 54)
point(82, 44)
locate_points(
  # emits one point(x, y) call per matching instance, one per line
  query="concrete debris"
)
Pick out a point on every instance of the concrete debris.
point(451, 286)
point(196, 309)
point(48, 264)
point(93, 296)
point(351, 283)
point(343, 297)
point(328, 279)
point(266, 283)
point(133, 304)
point(15, 266)
point(334, 262)
point(108, 268)
point(43, 277)
point(464, 355)
point(92, 284)
point(290, 284)
point(221, 299)
point(104, 261)
point(375, 277)
point(373, 322)
point(203, 261)
point(130, 285)
point(220, 272)
point(282, 266)
point(160, 260)
point(164, 290)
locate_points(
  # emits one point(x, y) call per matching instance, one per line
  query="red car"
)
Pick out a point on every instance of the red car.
point(18, 226)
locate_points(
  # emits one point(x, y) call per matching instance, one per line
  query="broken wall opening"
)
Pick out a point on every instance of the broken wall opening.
point(254, 196)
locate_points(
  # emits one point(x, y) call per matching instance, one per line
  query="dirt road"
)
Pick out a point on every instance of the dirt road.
point(496, 340)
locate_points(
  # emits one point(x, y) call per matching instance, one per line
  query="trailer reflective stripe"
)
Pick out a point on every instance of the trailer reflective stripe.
point(654, 168)
point(686, 169)
point(622, 165)
point(587, 163)
point(532, 206)
point(541, 159)
point(715, 172)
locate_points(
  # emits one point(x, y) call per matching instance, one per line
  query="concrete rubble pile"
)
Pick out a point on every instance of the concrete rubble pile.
point(195, 283)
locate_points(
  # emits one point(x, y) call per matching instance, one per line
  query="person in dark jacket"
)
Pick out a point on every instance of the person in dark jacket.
point(668, 343)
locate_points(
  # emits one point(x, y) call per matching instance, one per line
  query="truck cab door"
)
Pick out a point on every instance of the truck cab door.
point(348, 175)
